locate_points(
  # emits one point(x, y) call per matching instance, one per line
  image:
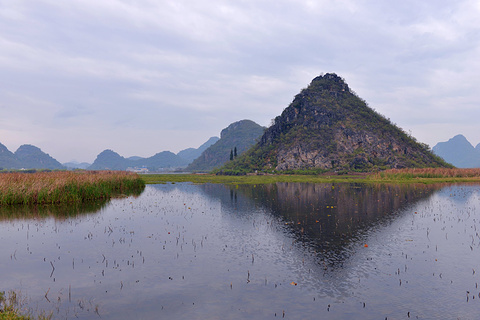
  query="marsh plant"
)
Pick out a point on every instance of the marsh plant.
point(65, 186)
point(429, 173)
point(11, 308)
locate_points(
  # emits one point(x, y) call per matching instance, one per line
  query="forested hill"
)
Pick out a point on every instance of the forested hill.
point(239, 136)
point(327, 127)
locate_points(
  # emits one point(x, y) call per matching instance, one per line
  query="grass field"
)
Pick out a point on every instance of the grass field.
point(65, 186)
point(429, 175)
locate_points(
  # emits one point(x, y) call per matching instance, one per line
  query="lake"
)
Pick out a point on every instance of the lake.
point(279, 251)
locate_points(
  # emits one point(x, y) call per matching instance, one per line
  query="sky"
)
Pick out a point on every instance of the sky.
point(144, 76)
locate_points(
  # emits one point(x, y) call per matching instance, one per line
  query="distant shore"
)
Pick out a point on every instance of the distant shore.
point(424, 175)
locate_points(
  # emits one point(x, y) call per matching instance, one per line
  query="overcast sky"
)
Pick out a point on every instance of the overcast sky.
point(144, 76)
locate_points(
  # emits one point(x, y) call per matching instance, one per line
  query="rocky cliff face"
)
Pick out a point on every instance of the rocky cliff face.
point(328, 127)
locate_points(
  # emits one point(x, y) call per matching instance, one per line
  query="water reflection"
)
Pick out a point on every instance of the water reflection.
point(57, 211)
point(183, 251)
point(326, 217)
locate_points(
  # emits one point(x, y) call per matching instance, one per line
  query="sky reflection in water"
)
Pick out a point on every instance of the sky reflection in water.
point(230, 252)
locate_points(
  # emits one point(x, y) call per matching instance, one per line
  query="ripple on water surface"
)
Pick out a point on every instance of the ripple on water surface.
point(230, 252)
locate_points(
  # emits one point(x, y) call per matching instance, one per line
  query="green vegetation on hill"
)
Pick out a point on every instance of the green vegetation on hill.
point(240, 135)
point(31, 157)
point(327, 127)
point(191, 154)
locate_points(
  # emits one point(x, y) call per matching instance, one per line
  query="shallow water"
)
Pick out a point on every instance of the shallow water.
point(288, 250)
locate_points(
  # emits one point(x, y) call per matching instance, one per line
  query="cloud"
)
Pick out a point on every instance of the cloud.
point(83, 70)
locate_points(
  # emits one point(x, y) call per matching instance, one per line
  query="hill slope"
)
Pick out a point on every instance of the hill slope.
point(459, 152)
point(191, 154)
point(241, 135)
point(327, 127)
point(31, 157)
point(7, 158)
point(27, 157)
point(109, 159)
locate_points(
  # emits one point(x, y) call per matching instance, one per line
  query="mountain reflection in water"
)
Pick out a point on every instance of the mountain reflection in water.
point(285, 250)
point(325, 217)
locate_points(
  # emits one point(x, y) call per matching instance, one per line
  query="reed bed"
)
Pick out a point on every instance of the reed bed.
point(427, 173)
point(65, 186)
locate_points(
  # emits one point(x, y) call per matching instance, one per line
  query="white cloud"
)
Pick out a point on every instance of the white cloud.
point(86, 70)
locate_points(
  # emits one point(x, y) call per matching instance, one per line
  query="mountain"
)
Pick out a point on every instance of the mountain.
point(134, 158)
point(110, 160)
point(27, 157)
point(31, 157)
point(76, 165)
point(328, 127)
point(240, 135)
point(161, 160)
point(459, 152)
point(7, 158)
point(191, 154)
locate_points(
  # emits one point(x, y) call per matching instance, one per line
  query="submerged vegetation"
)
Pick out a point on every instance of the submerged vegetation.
point(65, 187)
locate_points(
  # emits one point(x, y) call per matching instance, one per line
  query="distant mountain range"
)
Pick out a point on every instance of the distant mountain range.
point(245, 134)
point(459, 152)
point(76, 165)
point(239, 135)
point(161, 161)
point(27, 157)
point(31, 157)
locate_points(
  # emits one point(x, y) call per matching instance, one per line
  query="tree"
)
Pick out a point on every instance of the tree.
point(231, 154)
point(235, 152)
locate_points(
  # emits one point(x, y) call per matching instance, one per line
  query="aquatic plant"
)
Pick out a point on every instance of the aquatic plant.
point(11, 308)
point(65, 186)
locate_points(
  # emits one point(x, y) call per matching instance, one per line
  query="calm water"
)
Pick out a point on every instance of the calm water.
point(293, 251)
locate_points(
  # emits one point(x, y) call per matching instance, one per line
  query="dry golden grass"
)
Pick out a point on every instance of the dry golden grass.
point(437, 173)
point(64, 186)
